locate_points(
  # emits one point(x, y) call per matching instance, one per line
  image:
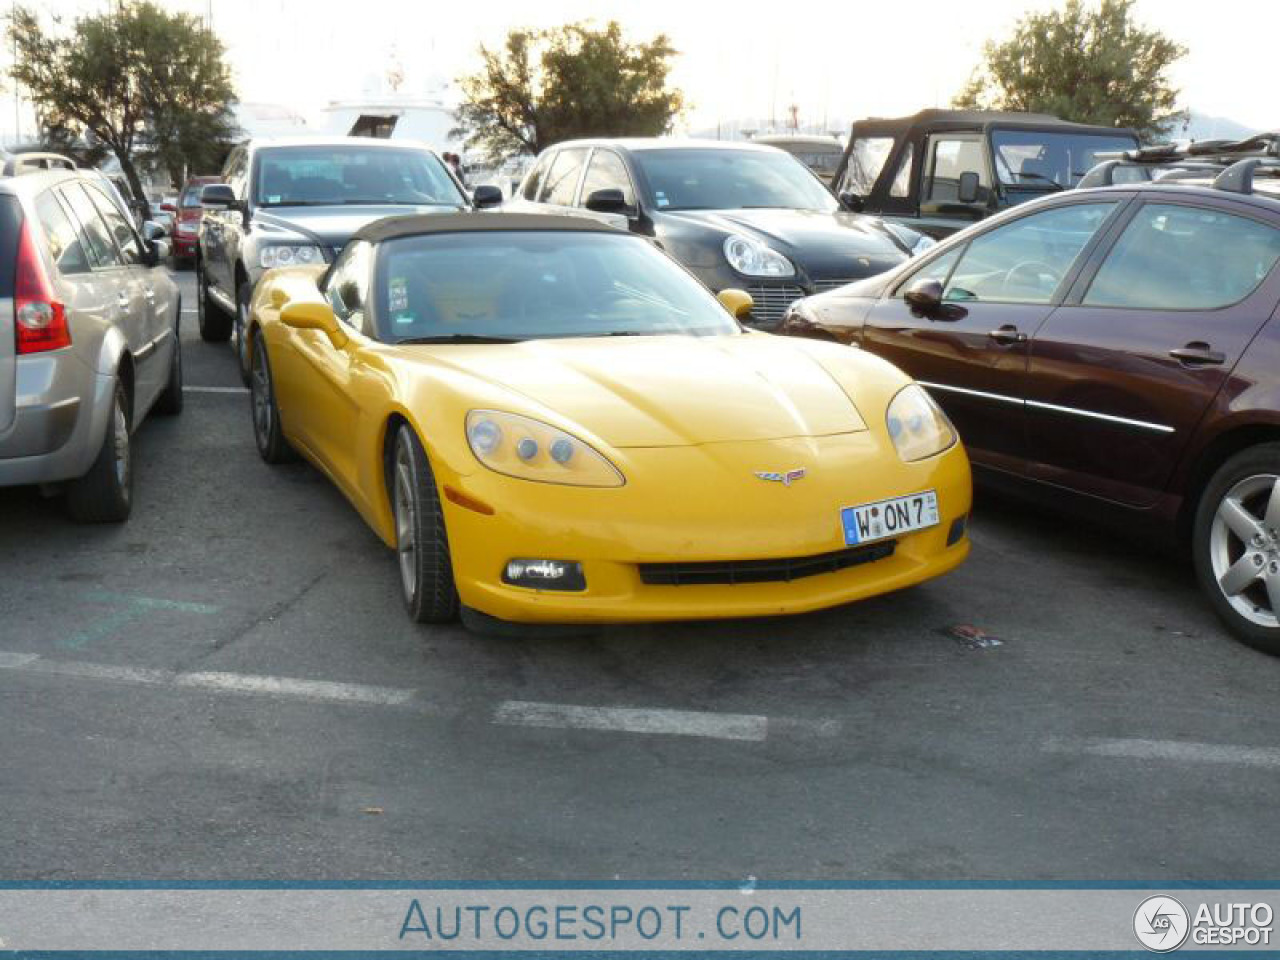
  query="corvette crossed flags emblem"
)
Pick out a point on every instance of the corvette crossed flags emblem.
point(786, 478)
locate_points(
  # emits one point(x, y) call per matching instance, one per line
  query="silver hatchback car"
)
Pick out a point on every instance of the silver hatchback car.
point(88, 338)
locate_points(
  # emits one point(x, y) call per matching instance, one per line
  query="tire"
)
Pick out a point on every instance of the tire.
point(1236, 545)
point(105, 493)
point(215, 326)
point(243, 293)
point(267, 432)
point(170, 402)
point(422, 544)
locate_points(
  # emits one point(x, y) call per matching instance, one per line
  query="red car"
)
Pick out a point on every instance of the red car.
point(186, 227)
point(1115, 348)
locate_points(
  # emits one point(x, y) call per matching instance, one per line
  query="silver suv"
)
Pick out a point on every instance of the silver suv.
point(88, 338)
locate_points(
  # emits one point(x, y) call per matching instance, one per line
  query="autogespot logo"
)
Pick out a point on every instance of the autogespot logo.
point(1161, 924)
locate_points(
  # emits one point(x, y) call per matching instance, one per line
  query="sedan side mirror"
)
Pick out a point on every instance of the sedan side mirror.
point(737, 302)
point(610, 200)
point(967, 192)
point(152, 231)
point(217, 196)
point(313, 315)
point(924, 297)
point(486, 196)
point(851, 201)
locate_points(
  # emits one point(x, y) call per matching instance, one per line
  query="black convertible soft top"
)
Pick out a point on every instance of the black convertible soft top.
point(393, 228)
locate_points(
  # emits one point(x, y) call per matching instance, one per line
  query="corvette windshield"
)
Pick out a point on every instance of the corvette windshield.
point(534, 285)
point(710, 179)
point(332, 176)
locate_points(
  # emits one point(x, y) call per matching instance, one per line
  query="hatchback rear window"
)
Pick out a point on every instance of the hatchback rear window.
point(10, 229)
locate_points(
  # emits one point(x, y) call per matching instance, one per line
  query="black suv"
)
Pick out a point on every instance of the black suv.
point(941, 170)
point(736, 215)
point(288, 202)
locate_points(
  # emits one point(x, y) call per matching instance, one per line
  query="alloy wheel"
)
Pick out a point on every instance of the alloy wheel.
point(1244, 548)
point(260, 390)
point(406, 522)
point(120, 427)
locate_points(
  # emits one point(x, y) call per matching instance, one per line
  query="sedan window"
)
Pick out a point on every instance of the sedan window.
point(64, 245)
point(607, 172)
point(1174, 257)
point(1025, 261)
point(562, 180)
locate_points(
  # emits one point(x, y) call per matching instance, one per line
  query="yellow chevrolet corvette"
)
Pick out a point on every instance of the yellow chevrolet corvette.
point(552, 421)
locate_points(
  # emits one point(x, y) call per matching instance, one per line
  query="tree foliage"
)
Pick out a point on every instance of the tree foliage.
point(149, 86)
point(1090, 65)
point(545, 86)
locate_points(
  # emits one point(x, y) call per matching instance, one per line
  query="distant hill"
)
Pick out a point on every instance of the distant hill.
point(1201, 126)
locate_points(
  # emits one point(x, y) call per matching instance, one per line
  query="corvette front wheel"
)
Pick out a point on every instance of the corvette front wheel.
point(422, 547)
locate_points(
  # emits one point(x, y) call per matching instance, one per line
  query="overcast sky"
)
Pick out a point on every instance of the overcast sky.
point(738, 59)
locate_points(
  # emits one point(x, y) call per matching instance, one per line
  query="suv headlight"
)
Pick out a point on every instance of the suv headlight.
point(751, 258)
point(917, 425)
point(533, 450)
point(289, 255)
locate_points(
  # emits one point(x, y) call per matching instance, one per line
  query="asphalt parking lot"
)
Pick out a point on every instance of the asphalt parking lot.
point(227, 688)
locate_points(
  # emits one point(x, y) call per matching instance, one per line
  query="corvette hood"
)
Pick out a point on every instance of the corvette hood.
point(668, 391)
point(332, 226)
point(822, 244)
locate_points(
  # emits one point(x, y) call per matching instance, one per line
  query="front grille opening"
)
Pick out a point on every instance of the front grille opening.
point(784, 569)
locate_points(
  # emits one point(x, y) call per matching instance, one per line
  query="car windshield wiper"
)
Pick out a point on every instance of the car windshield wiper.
point(1042, 178)
point(457, 338)
point(396, 203)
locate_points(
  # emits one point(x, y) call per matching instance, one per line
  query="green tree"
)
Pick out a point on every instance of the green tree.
point(545, 86)
point(150, 86)
point(1090, 65)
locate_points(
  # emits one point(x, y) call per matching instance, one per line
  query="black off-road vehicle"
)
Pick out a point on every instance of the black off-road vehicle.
point(940, 170)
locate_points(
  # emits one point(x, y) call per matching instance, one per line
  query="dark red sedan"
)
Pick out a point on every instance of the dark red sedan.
point(1115, 348)
point(186, 227)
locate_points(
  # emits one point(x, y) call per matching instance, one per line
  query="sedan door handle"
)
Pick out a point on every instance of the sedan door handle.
point(1008, 334)
point(1197, 354)
point(123, 301)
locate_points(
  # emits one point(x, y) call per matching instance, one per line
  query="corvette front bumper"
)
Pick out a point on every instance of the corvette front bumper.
point(696, 505)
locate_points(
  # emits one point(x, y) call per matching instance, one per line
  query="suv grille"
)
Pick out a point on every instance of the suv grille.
point(763, 571)
point(822, 286)
point(771, 302)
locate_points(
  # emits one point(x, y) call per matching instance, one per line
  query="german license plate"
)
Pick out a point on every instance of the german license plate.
point(889, 518)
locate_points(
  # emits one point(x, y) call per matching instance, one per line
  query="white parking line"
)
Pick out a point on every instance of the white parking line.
point(303, 689)
point(236, 390)
point(1176, 751)
point(313, 690)
point(678, 723)
point(517, 713)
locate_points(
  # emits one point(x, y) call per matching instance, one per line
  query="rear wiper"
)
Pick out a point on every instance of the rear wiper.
point(457, 338)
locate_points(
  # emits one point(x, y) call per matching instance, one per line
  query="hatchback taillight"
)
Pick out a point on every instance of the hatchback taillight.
point(41, 319)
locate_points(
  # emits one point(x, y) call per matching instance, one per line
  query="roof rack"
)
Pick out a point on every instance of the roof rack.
point(1232, 163)
point(20, 163)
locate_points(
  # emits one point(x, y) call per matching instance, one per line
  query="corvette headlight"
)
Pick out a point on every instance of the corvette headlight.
point(917, 425)
point(533, 450)
point(289, 255)
point(751, 258)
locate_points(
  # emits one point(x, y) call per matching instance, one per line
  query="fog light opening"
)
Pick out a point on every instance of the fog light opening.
point(956, 533)
point(543, 574)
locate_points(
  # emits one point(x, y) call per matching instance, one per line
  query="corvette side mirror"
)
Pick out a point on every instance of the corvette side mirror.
point(311, 315)
point(737, 302)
